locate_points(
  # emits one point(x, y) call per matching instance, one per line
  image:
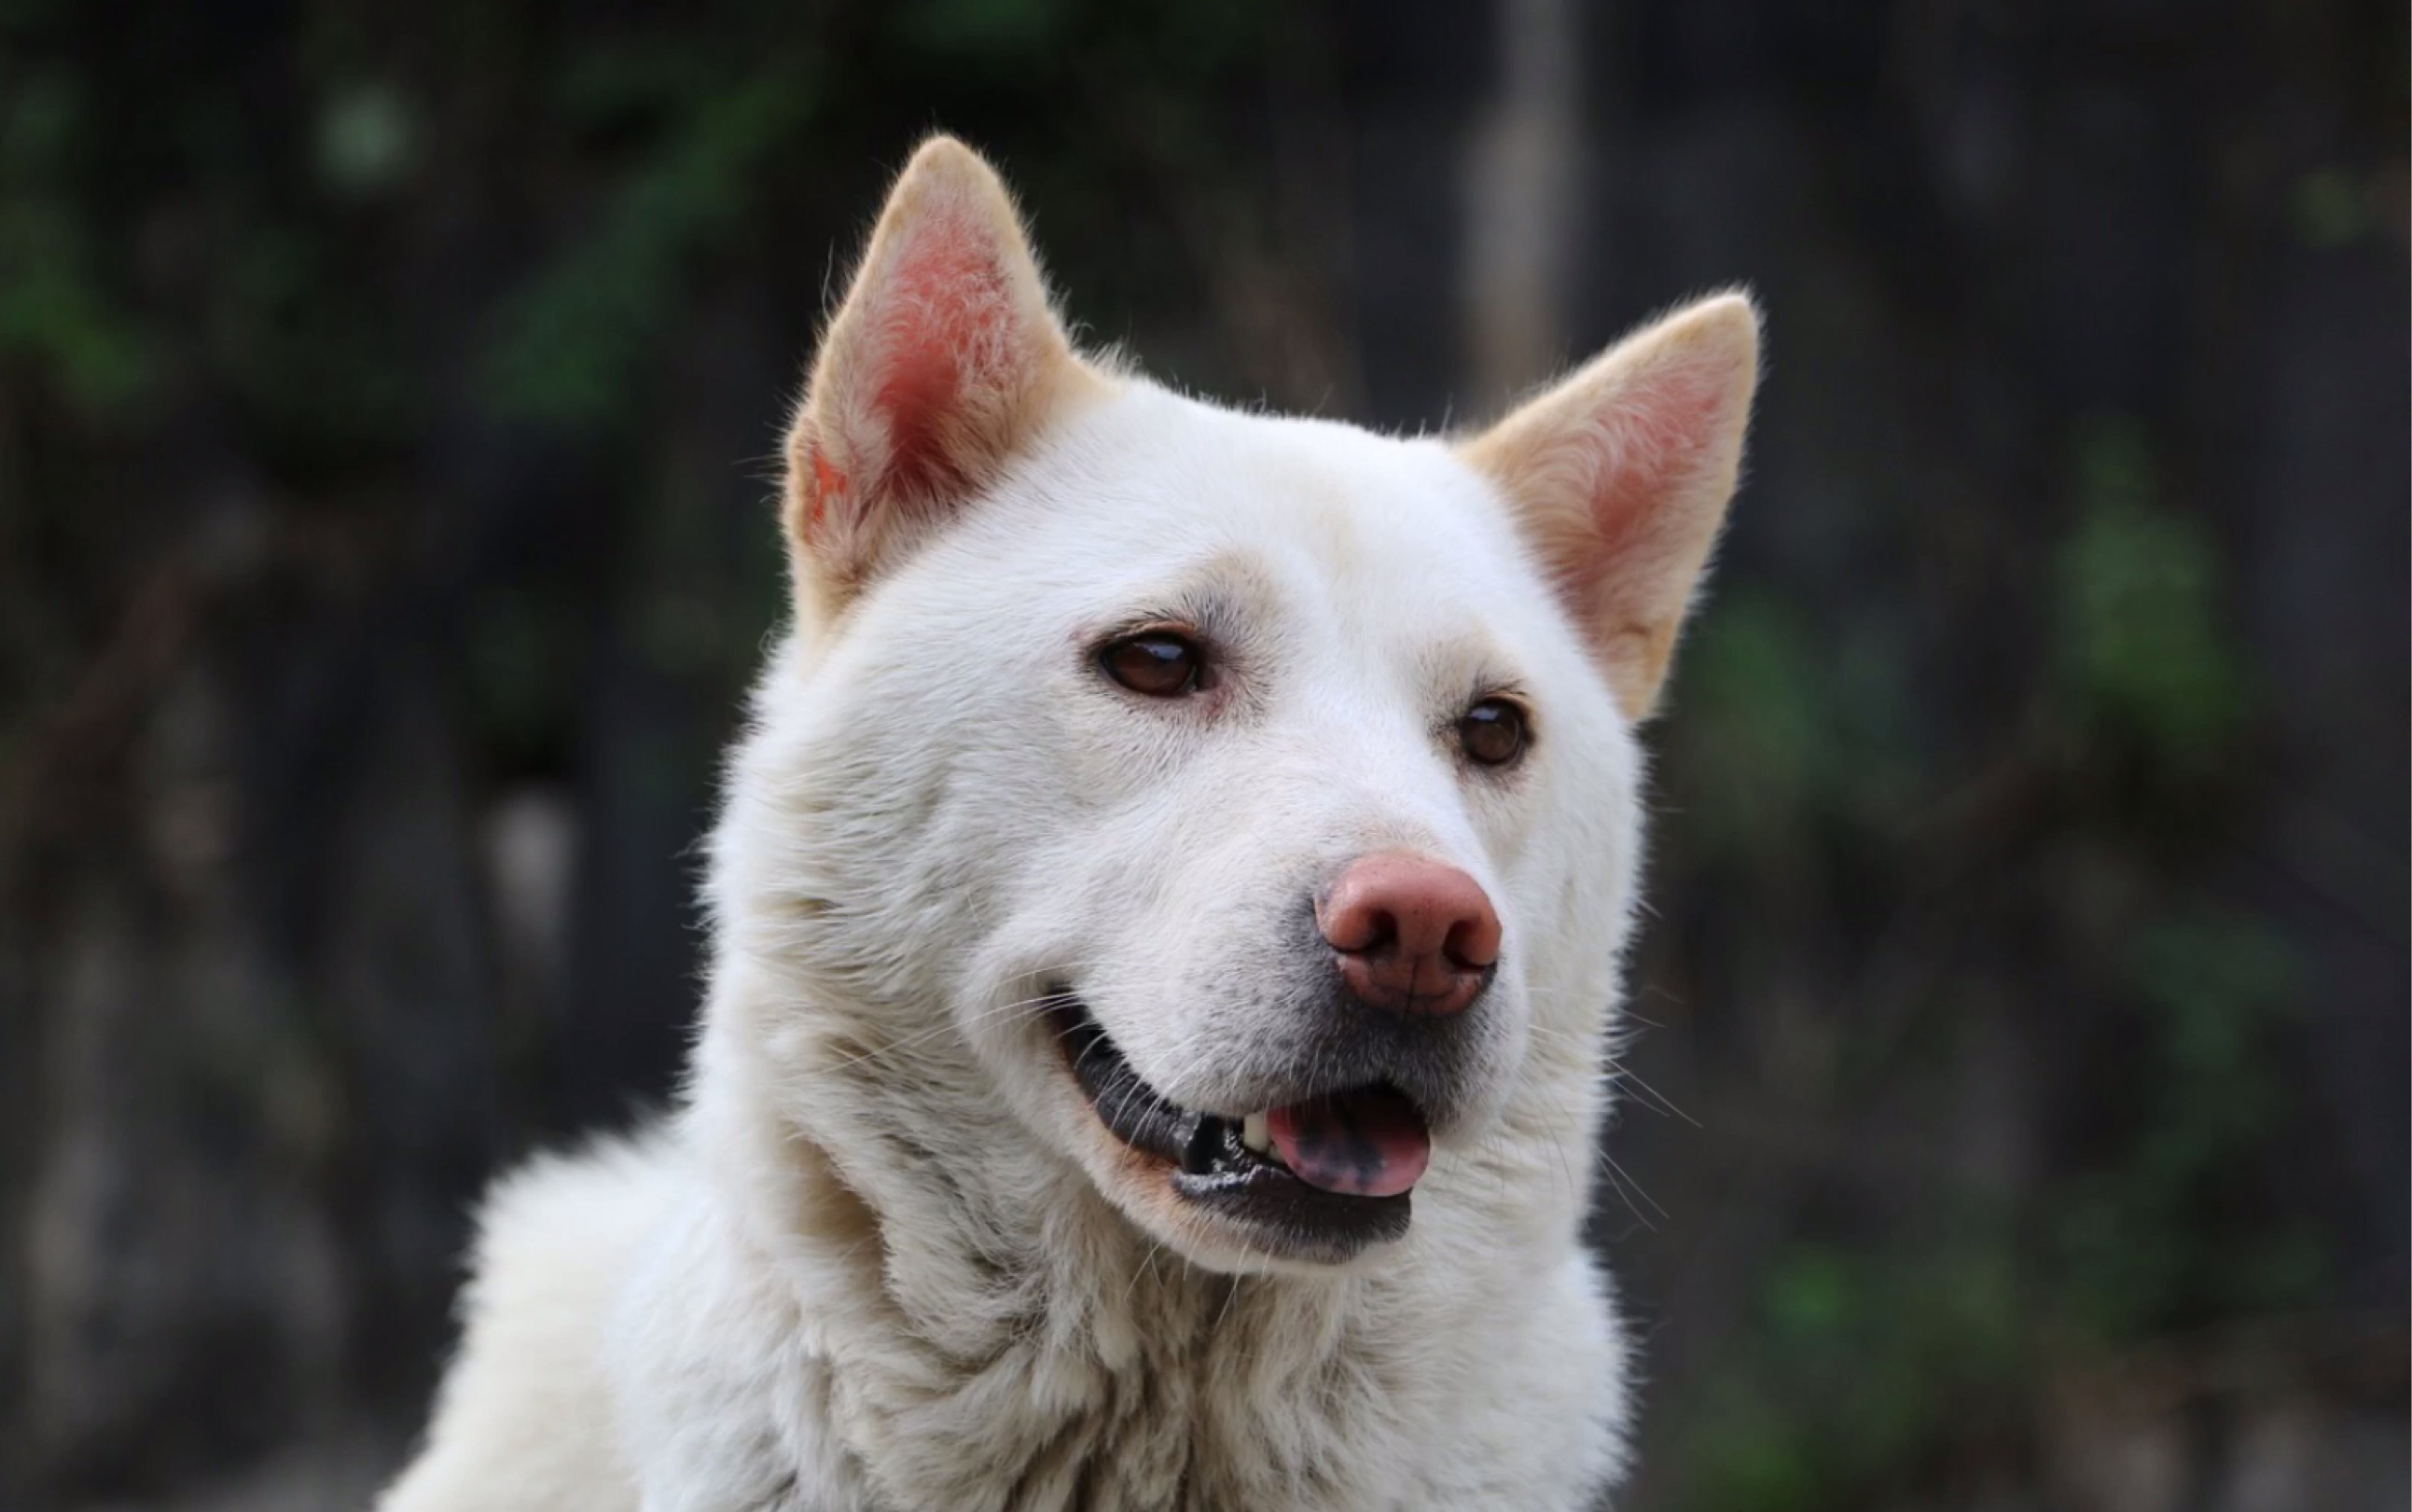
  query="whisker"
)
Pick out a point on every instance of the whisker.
point(1661, 1101)
point(1620, 1178)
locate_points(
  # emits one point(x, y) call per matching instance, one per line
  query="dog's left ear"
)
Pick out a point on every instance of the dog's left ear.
point(1620, 476)
point(944, 360)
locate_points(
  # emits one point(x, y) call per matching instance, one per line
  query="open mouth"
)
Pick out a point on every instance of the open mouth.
point(1321, 1179)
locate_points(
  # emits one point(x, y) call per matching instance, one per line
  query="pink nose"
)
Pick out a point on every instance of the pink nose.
point(1413, 936)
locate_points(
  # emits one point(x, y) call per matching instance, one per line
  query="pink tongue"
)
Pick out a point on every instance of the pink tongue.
point(1368, 1144)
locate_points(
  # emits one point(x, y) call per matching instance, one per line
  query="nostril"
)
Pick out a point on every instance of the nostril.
point(1454, 951)
point(1352, 924)
point(1473, 943)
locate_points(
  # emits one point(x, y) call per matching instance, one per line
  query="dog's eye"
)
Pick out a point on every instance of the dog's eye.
point(1158, 663)
point(1493, 732)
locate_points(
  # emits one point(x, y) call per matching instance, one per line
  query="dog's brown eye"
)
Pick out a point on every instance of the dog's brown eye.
point(1158, 664)
point(1493, 732)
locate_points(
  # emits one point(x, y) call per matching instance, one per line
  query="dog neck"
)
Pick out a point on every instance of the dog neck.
point(967, 1287)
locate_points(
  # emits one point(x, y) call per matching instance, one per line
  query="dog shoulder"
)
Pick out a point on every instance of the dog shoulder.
point(525, 1418)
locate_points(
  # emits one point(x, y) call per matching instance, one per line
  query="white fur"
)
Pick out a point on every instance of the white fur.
point(884, 1256)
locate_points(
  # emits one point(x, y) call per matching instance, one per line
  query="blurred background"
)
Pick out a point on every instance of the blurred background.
point(2016, 1114)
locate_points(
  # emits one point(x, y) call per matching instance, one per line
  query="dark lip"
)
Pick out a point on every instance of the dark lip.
point(1212, 1169)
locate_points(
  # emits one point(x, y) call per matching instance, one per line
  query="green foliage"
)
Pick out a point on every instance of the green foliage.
point(316, 362)
point(2140, 644)
point(573, 342)
point(1174, 39)
point(1748, 1453)
point(986, 28)
point(1866, 1359)
point(2329, 209)
point(1786, 723)
point(2140, 1245)
point(1859, 1360)
point(368, 139)
point(54, 316)
point(1763, 725)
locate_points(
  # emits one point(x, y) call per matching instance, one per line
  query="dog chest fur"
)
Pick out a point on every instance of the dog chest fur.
point(1089, 1373)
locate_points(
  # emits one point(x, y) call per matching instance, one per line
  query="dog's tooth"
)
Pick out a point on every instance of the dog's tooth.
point(1253, 1133)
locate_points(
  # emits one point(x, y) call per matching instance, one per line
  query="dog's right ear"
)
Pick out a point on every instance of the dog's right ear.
point(941, 364)
point(1620, 477)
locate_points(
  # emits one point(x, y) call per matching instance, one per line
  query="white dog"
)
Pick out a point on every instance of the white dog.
point(1166, 927)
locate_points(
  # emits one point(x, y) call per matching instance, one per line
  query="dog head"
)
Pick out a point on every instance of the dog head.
point(1251, 801)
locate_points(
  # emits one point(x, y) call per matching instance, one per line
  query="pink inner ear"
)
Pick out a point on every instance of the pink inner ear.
point(946, 317)
point(828, 483)
point(1652, 442)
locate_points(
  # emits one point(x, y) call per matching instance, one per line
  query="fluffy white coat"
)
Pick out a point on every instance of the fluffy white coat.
point(884, 1256)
